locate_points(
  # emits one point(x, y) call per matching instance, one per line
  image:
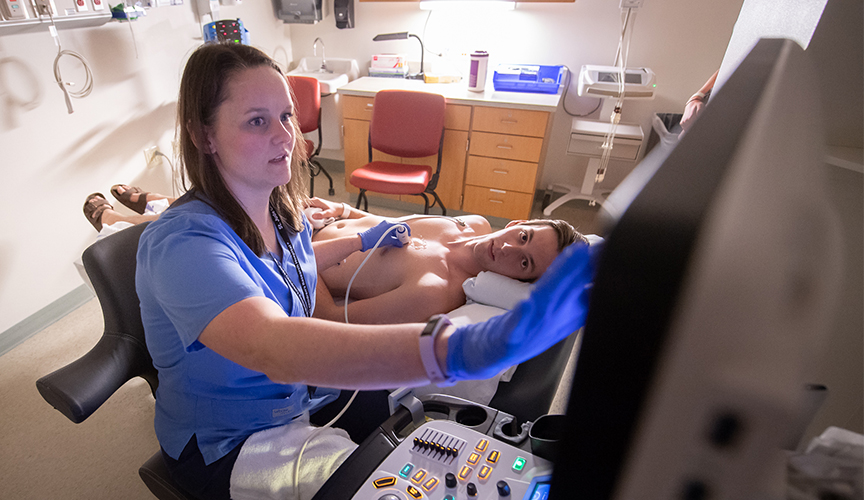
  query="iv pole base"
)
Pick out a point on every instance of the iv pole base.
point(586, 192)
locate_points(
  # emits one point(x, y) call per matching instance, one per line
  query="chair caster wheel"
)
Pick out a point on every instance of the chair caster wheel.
point(332, 192)
point(547, 200)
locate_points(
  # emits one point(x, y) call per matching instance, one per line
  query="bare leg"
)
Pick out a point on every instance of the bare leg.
point(109, 217)
point(150, 196)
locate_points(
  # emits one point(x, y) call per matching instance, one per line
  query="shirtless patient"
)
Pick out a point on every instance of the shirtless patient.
point(410, 284)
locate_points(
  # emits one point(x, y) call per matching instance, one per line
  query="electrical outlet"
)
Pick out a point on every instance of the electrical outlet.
point(45, 7)
point(151, 154)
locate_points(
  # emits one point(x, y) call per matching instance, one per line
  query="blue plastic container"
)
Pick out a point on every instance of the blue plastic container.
point(528, 78)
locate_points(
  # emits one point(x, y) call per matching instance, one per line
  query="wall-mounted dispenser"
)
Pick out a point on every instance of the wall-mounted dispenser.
point(344, 10)
point(298, 11)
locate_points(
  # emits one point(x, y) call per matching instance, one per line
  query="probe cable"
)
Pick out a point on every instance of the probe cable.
point(347, 293)
point(351, 400)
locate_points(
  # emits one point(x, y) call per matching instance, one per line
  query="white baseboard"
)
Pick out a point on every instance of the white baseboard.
point(43, 318)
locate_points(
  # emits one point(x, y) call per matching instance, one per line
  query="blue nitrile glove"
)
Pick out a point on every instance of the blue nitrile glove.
point(556, 308)
point(371, 236)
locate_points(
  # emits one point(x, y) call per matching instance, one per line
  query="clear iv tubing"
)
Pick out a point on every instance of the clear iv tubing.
point(621, 57)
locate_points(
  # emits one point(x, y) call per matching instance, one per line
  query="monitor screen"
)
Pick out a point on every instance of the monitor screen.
point(708, 298)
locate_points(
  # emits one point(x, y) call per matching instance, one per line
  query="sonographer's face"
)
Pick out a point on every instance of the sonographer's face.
point(253, 138)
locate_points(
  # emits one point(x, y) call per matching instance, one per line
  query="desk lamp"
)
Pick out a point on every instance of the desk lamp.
point(402, 36)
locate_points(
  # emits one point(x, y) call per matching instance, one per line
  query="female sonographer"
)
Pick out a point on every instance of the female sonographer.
point(226, 278)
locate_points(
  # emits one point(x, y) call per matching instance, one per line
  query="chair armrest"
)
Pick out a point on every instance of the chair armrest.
point(79, 388)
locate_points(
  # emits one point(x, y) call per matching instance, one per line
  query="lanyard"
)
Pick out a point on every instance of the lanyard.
point(305, 301)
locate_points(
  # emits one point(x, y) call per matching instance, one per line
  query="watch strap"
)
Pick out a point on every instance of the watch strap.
point(427, 348)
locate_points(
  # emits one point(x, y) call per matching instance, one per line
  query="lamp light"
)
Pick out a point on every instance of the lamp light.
point(467, 5)
point(403, 35)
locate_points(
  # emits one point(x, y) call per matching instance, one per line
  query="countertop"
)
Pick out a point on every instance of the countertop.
point(455, 93)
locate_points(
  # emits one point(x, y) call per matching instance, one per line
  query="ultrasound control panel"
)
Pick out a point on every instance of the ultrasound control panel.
point(443, 460)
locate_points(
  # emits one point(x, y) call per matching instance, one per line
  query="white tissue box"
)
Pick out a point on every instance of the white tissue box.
point(389, 61)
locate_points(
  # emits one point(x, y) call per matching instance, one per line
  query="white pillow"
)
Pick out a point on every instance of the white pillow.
point(496, 290)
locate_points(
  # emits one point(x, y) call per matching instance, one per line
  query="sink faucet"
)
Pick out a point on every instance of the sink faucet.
point(315, 53)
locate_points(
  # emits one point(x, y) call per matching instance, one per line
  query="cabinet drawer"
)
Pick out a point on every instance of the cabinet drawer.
point(623, 148)
point(501, 174)
point(357, 108)
point(457, 117)
point(509, 147)
point(510, 121)
point(497, 202)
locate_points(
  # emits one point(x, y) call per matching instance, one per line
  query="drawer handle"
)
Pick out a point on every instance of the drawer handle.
point(498, 191)
point(509, 122)
point(500, 172)
point(504, 146)
point(495, 201)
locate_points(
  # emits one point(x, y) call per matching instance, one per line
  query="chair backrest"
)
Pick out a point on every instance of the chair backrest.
point(79, 388)
point(408, 124)
point(307, 101)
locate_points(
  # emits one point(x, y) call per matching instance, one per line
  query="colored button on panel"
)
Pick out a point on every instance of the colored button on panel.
point(484, 473)
point(430, 484)
point(414, 492)
point(465, 473)
point(406, 470)
point(474, 458)
point(481, 445)
point(418, 476)
point(493, 457)
point(519, 464)
point(383, 482)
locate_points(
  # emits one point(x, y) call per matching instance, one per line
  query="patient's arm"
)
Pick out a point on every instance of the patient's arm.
point(330, 252)
point(325, 306)
point(336, 210)
point(406, 304)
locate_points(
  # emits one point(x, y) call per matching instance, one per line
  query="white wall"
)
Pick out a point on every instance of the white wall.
point(683, 41)
point(52, 160)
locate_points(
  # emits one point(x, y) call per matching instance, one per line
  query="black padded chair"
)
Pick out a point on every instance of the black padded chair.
point(79, 388)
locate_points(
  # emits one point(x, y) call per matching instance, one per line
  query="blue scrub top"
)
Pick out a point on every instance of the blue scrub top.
point(191, 267)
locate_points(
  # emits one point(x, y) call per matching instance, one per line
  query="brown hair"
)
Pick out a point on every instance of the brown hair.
point(202, 90)
point(566, 233)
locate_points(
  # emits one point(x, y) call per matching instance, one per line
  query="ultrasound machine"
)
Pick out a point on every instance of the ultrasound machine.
point(709, 301)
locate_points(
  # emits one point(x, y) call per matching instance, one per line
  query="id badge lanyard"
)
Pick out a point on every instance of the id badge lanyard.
point(304, 297)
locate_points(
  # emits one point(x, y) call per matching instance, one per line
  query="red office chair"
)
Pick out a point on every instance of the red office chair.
point(409, 125)
point(307, 93)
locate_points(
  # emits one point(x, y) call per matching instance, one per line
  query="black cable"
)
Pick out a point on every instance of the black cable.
point(564, 98)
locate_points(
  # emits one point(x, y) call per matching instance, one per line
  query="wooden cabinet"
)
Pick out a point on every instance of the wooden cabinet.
point(357, 113)
point(503, 162)
point(496, 175)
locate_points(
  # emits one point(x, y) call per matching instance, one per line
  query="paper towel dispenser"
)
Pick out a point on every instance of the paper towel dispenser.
point(298, 11)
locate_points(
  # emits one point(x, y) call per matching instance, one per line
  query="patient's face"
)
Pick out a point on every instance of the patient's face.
point(520, 252)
